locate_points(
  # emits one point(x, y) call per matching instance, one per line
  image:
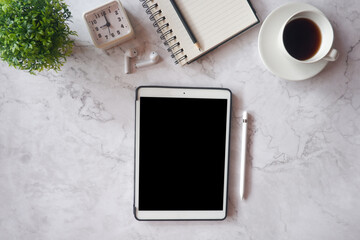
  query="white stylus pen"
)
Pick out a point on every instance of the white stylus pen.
point(243, 154)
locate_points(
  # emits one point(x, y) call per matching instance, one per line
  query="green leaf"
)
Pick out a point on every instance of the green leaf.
point(34, 34)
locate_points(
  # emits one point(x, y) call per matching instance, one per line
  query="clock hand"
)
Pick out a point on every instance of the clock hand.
point(106, 26)
point(107, 22)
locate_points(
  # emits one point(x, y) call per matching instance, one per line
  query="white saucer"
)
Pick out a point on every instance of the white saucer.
point(271, 55)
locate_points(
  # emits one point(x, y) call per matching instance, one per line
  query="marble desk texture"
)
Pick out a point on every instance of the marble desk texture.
point(67, 139)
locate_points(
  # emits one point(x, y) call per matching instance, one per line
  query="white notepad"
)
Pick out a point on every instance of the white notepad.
point(212, 22)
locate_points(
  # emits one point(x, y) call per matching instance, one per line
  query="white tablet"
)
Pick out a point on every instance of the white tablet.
point(181, 153)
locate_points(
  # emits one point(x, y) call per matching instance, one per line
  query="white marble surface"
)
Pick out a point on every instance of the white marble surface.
point(67, 139)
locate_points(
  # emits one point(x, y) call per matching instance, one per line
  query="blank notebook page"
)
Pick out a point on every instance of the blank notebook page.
point(211, 21)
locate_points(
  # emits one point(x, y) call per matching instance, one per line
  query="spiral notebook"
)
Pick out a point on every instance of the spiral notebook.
point(213, 22)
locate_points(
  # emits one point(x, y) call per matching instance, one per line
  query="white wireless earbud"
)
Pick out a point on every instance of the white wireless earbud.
point(154, 58)
point(130, 53)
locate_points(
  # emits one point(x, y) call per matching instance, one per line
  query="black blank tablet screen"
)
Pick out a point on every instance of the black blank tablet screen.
point(182, 153)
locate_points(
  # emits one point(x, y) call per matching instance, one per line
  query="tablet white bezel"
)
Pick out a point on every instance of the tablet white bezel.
point(207, 93)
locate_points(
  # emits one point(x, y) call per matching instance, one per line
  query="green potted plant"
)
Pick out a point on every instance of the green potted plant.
point(34, 34)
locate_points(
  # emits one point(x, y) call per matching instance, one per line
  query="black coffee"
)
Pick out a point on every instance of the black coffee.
point(302, 38)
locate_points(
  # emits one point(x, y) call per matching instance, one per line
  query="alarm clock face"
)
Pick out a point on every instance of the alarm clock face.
point(108, 24)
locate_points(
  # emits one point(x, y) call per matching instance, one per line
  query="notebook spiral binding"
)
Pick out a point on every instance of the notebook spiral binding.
point(161, 24)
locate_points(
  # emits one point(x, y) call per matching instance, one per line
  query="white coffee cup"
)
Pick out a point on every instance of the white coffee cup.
point(325, 50)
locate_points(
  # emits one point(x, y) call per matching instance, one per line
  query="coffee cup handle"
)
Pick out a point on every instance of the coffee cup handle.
point(332, 55)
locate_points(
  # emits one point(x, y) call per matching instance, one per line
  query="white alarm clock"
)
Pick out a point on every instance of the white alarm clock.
point(108, 25)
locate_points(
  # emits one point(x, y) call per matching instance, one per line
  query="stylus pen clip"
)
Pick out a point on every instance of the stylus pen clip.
point(243, 154)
